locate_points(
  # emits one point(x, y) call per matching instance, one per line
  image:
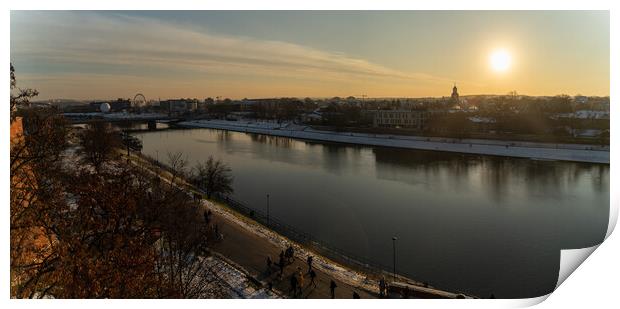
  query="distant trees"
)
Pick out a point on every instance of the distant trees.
point(214, 176)
point(99, 142)
point(341, 115)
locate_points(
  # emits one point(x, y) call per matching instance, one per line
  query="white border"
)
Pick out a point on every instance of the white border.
point(592, 284)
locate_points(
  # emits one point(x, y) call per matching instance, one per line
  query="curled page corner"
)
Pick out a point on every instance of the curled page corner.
point(570, 259)
point(527, 302)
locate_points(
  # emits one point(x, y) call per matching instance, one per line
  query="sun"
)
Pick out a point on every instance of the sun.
point(500, 60)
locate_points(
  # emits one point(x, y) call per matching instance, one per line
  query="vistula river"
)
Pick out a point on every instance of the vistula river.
point(478, 224)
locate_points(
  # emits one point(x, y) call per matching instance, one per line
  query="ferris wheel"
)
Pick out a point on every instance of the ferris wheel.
point(138, 101)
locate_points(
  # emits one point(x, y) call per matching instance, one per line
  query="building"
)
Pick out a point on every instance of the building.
point(178, 106)
point(414, 119)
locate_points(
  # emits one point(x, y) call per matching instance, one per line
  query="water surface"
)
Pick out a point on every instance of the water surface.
point(479, 224)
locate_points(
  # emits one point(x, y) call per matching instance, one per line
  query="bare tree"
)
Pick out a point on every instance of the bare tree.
point(214, 176)
point(177, 163)
point(99, 143)
point(23, 96)
point(183, 234)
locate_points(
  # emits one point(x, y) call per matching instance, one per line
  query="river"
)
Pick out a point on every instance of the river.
point(478, 224)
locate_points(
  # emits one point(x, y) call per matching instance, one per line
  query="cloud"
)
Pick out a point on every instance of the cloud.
point(94, 43)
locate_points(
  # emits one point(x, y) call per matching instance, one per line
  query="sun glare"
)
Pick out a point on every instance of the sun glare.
point(500, 60)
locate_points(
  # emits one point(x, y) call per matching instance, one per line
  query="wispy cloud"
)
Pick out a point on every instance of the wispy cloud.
point(138, 47)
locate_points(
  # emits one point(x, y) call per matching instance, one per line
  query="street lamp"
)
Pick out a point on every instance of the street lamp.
point(267, 208)
point(394, 247)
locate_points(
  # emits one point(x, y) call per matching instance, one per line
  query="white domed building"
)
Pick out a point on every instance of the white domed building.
point(104, 107)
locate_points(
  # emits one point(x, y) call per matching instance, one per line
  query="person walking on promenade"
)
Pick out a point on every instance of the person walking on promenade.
point(332, 288)
point(281, 264)
point(309, 261)
point(382, 287)
point(206, 215)
point(269, 263)
point(312, 277)
point(282, 255)
point(293, 284)
point(300, 280)
point(289, 254)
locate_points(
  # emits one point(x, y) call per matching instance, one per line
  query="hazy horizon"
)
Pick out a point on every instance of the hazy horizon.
point(83, 55)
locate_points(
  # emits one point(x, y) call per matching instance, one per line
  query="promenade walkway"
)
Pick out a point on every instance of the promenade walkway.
point(250, 251)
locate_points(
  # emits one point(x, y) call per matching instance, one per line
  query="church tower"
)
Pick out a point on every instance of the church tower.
point(455, 94)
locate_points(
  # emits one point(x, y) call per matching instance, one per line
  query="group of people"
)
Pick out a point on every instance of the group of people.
point(299, 278)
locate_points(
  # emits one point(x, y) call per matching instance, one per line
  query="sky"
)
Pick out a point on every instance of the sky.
point(254, 54)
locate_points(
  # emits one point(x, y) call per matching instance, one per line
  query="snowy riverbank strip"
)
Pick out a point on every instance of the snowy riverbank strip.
point(532, 150)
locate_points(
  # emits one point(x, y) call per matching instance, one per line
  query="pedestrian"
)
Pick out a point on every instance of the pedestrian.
point(309, 261)
point(269, 263)
point(332, 288)
point(300, 280)
point(289, 254)
point(312, 277)
point(382, 287)
point(206, 215)
point(355, 295)
point(281, 254)
point(281, 264)
point(293, 285)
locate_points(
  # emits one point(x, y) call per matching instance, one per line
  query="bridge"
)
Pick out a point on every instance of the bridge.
point(149, 118)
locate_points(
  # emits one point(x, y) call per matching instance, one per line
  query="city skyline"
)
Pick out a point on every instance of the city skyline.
point(241, 54)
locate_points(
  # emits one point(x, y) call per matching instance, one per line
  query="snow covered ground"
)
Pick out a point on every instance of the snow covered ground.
point(533, 150)
point(233, 280)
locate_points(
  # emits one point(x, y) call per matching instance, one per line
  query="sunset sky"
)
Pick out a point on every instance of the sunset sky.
point(169, 54)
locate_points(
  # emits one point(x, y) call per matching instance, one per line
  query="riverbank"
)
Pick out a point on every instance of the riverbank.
point(531, 150)
point(247, 244)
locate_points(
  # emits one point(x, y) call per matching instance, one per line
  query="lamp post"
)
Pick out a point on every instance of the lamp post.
point(394, 256)
point(267, 208)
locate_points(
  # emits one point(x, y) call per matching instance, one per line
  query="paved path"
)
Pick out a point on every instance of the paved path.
point(250, 251)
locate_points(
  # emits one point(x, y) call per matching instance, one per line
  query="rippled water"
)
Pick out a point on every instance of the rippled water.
point(477, 224)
